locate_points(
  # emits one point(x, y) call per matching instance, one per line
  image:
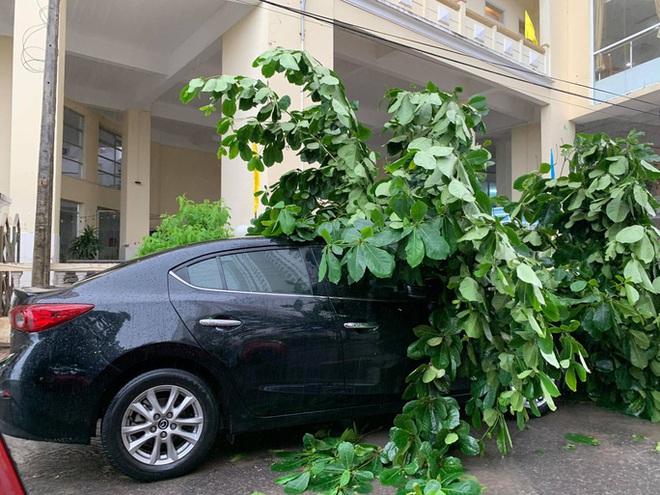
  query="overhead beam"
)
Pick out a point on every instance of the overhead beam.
point(115, 53)
point(199, 45)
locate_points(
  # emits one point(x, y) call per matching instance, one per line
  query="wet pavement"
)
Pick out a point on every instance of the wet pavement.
point(543, 462)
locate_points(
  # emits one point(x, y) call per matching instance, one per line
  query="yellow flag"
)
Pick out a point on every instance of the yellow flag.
point(530, 32)
point(256, 182)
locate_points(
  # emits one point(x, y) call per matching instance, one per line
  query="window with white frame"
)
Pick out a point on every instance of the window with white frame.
point(109, 158)
point(72, 143)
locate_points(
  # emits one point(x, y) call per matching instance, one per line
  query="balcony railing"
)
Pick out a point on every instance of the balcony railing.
point(627, 53)
point(456, 17)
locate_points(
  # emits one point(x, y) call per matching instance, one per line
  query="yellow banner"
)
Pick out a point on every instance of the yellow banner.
point(257, 180)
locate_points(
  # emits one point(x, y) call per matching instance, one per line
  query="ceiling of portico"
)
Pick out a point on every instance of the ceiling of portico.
point(369, 68)
point(127, 54)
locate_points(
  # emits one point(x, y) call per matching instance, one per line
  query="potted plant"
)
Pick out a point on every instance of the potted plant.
point(87, 245)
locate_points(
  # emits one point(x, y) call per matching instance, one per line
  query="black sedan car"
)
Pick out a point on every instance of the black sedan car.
point(166, 351)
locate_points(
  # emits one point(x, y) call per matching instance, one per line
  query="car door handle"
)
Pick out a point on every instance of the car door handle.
point(361, 326)
point(220, 322)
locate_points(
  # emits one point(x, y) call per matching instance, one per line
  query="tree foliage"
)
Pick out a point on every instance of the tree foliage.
point(194, 222)
point(594, 226)
point(506, 317)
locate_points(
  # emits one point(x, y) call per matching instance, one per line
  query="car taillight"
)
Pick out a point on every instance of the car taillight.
point(39, 317)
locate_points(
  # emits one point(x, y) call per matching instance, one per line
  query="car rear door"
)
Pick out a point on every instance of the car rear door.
point(259, 314)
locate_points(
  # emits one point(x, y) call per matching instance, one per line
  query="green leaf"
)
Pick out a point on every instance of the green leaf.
point(345, 478)
point(285, 102)
point(630, 234)
point(602, 318)
point(356, 262)
point(491, 416)
point(429, 375)
point(645, 250)
point(634, 271)
point(578, 285)
point(451, 438)
point(435, 245)
point(526, 274)
point(288, 62)
point(424, 160)
point(637, 356)
point(287, 221)
point(458, 190)
point(619, 165)
point(570, 379)
point(470, 290)
point(228, 107)
point(463, 487)
point(299, 484)
point(447, 164)
point(579, 438)
point(479, 103)
point(380, 262)
point(415, 248)
point(475, 233)
point(617, 210)
point(346, 454)
point(196, 83)
point(418, 211)
point(440, 151)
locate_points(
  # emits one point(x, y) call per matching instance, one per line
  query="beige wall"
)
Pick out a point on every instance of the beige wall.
point(177, 171)
point(5, 111)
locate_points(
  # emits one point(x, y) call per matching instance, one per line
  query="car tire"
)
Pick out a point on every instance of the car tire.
point(160, 425)
point(541, 405)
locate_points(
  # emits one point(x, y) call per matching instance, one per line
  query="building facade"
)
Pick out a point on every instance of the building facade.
point(126, 147)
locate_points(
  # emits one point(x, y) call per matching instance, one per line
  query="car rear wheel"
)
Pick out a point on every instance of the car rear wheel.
point(160, 425)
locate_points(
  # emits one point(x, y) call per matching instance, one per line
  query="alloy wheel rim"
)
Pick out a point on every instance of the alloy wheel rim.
point(162, 425)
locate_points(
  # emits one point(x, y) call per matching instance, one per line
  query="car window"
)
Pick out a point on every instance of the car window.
point(206, 274)
point(282, 271)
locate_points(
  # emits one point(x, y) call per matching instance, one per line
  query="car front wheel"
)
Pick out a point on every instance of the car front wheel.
point(160, 425)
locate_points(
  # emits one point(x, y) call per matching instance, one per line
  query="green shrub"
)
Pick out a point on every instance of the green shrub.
point(194, 222)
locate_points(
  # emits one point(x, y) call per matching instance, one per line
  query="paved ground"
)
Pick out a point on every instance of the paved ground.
point(624, 463)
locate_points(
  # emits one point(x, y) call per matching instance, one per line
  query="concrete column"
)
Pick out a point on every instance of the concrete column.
point(503, 179)
point(525, 152)
point(26, 101)
point(259, 31)
point(556, 130)
point(5, 111)
point(135, 181)
point(565, 28)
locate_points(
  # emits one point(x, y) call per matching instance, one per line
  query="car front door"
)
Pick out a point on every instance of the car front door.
point(258, 314)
